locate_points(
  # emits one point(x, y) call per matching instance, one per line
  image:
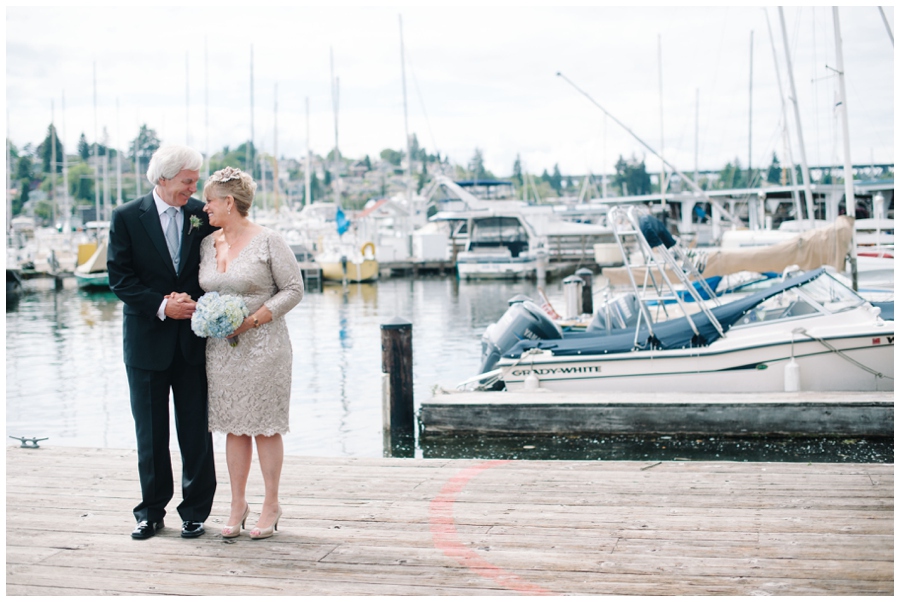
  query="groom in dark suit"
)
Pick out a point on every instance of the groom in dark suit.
point(153, 259)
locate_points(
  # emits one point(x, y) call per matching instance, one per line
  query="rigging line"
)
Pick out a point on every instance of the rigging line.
point(421, 101)
point(842, 354)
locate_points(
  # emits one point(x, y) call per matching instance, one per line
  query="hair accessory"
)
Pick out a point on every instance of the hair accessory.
point(226, 175)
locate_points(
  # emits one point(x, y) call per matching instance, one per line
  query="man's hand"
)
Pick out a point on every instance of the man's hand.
point(180, 306)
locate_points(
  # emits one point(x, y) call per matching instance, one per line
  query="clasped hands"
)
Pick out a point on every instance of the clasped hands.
point(180, 306)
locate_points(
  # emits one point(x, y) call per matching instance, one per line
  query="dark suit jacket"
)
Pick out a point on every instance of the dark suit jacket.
point(141, 274)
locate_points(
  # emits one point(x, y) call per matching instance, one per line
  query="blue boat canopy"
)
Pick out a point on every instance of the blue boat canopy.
point(671, 334)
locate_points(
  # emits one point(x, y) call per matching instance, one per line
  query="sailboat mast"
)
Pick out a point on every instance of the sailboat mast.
point(53, 209)
point(405, 116)
point(206, 104)
point(335, 100)
point(850, 198)
point(307, 175)
point(96, 150)
point(118, 158)
point(810, 212)
point(250, 145)
point(187, 99)
point(662, 138)
point(66, 211)
point(789, 157)
point(750, 121)
point(275, 153)
point(886, 25)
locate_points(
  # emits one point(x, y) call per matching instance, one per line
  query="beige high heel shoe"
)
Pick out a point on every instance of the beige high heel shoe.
point(229, 531)
point(257, 533)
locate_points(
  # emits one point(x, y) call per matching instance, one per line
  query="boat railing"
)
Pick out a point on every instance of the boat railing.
point(662, 256)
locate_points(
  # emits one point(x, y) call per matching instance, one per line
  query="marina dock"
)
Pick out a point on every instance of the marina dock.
point(390, 526)
point(804, 413)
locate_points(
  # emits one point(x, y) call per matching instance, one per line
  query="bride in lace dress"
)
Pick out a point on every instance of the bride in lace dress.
point(249, 383)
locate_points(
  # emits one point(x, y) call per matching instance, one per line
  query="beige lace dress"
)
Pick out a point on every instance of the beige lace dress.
point(250, 384)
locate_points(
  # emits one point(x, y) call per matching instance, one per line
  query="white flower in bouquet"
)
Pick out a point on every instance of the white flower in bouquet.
point(218, 316)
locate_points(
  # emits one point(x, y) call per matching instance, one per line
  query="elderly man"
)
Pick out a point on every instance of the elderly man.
point(153, 262)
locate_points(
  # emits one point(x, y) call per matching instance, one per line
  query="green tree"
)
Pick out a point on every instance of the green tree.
point(19, 202)
point(631, 176)
point(773, 175)
point(368, 163)
point(731, 176)
point(143, 147)
point(84, 149)
point(421, 181)
point(391, 156)
point(45, 150)
point(476, 165)
point(556, 179)
point(25, 168)
point(81, 181)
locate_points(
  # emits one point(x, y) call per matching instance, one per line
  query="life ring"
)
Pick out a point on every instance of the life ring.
point(368, 245)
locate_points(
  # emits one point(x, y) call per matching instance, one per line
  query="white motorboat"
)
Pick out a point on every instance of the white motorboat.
point(806, 332)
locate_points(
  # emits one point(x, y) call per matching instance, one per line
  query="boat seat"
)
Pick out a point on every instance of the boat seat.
point(619, 313)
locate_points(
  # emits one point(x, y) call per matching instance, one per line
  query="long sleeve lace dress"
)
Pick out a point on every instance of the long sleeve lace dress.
point(250, 384)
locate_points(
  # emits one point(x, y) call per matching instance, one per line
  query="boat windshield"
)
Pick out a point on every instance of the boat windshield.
point(819, 296)
point(831, 294)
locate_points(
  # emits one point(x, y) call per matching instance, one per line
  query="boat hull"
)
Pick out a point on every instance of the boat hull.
point(363, 271)
point(752, 361)
point(92, 279)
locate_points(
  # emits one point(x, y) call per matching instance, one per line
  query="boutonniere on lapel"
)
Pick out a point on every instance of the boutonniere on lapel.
point(195, 223)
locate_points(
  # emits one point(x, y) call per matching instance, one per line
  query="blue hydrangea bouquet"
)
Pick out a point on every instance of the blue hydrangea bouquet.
point(218, 316)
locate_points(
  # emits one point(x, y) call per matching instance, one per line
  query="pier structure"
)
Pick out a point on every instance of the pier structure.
point(393, 526)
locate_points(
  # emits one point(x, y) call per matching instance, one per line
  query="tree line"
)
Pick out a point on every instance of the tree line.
point(31, 170)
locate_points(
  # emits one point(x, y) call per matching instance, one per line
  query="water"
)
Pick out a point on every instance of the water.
point(65, 378)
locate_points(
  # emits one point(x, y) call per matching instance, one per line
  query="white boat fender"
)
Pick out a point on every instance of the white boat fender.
point(532, 383)
point(792, 376)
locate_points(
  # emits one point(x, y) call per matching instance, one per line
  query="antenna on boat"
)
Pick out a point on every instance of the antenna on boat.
point(674, 169)
point(250, 146)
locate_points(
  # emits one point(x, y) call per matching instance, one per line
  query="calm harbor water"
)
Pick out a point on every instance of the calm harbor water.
point(65, 379)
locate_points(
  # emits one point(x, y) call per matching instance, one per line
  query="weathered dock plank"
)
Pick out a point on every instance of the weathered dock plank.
point(547, 412)
point(371, 526)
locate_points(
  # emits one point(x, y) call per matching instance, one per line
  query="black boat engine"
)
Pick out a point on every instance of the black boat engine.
point(523, 320)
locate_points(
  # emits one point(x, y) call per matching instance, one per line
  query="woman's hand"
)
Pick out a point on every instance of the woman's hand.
point(263, 315)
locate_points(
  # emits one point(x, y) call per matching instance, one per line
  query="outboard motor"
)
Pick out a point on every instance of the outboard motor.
point(523, 320)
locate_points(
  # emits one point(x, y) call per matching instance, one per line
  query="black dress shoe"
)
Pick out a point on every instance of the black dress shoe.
point(146, 529)
point(192, 528)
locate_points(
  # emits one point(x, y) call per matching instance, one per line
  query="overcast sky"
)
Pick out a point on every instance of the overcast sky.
point(475, 78)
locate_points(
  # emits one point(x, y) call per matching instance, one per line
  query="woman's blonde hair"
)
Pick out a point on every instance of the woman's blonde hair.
point(235, 182)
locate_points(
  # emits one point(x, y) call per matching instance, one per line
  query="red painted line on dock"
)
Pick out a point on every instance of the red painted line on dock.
point(443, 531)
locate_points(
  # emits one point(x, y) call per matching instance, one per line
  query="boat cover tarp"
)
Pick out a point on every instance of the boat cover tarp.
point(808, 250)
point(671, 334)
point(828, 245)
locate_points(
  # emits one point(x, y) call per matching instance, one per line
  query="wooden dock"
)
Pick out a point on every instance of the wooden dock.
point(387, 526)
point(804, 413)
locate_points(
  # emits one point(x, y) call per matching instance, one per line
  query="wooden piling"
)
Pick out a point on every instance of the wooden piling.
point(397, 364)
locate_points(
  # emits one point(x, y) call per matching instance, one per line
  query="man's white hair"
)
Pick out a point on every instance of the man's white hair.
point(168, 160)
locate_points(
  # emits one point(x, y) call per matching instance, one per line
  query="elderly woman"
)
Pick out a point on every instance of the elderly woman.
point(249, 383)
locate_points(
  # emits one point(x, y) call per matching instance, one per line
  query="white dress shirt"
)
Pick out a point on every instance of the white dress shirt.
point(164, 218)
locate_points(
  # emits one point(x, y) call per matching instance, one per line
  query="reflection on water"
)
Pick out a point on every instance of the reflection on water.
point(65, 377)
